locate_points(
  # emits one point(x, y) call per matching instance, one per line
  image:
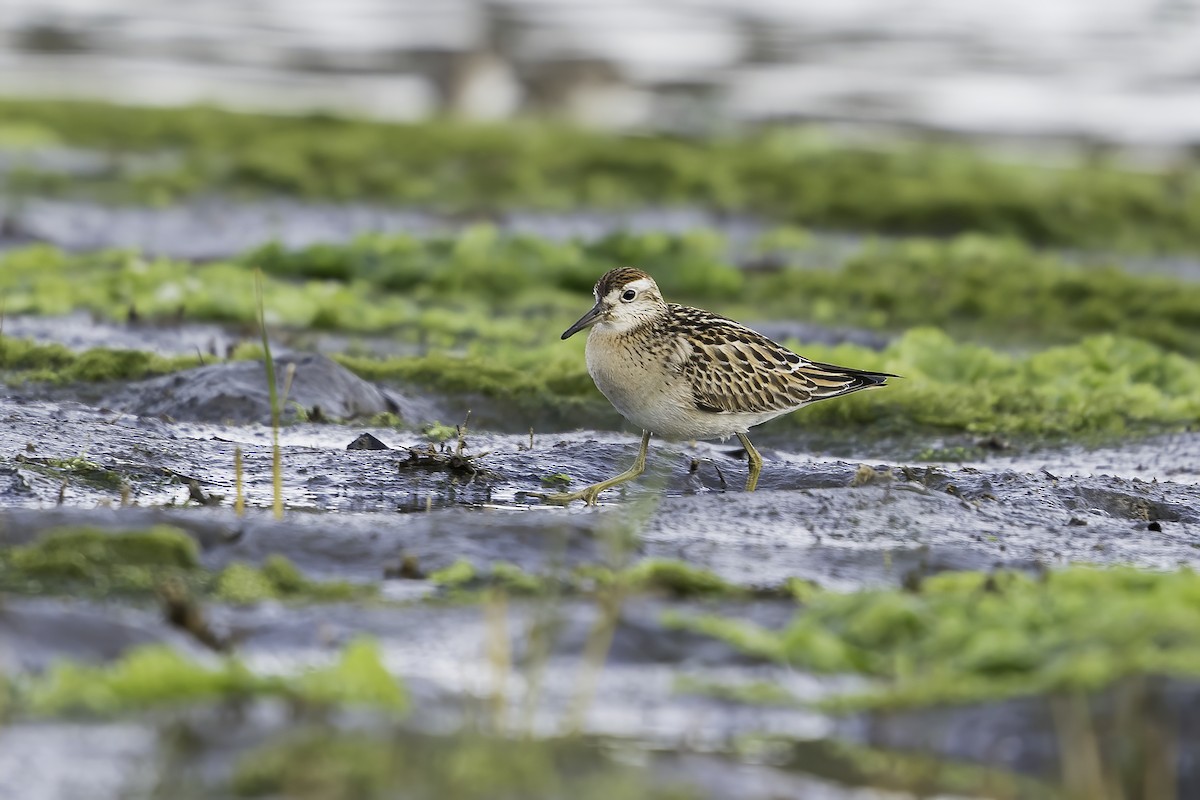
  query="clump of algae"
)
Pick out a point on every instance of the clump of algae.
point(53, 363)
point(792, 174)
point(653, 575)
point(1122, 360)
point(138, 563)
point(443, 291)
point(331, 766)
point(966, 637)
point(156, 675)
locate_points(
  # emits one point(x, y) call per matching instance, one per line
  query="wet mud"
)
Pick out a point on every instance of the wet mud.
point(208, 229)
point(393, 517)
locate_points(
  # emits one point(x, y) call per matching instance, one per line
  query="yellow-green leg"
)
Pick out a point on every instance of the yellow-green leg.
point(589, 494)
point(755, 462)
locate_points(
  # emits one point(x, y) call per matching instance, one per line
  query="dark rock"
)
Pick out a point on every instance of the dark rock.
point(236, 392)
point(366, 441)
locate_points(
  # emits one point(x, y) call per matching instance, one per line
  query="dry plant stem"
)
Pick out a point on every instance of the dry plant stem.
point(276, 455)
point(499, 651)
point(539, 642)
point(239, 505)
point(1148, 750)
point(595, 653)
point(1083, 776)
point(288, 377)
point(622, 540)
point(461, 430)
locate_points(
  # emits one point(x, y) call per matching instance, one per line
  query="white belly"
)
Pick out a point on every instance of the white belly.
point(652, 396)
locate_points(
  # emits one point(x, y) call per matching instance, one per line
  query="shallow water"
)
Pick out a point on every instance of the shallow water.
point(1118, 70)
point(357, 514)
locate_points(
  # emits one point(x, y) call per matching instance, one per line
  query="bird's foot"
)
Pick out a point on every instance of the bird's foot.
point(588, 495)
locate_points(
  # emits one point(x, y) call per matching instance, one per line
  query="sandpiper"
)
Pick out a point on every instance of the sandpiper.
point(686, 373)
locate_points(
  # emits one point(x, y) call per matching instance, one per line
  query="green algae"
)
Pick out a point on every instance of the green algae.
point(969, 637)
point(992, 288)
point(329, 765)
point(27, 361)
point(99, 562)
point(6, 697)
point(1102, 387)
point(520, 290)
point(758, 693)
point(460, 573)
point(482, 314)
point(136, 564)
point(1099, 388)
point(82, 469)
point(156, 675)
point(653, 575)
point(797, 175)
point(242, 584)
point(678, 579)
point(462, 581)
point(910, 773)
point(443, 293)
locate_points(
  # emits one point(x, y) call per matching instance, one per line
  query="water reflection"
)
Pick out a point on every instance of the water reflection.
point(1116, 70)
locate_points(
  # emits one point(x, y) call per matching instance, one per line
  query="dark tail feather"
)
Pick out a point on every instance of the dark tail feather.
point(830, 380)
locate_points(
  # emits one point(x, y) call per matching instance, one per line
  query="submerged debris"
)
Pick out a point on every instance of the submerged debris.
point(870, 476)
point(440, 458)
point(181, 611)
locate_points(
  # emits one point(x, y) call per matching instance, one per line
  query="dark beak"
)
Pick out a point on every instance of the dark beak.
point(586, 321)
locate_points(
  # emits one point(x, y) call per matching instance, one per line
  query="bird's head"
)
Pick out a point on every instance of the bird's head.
point(626, 298)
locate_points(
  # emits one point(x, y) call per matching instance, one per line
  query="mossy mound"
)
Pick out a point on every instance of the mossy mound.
point(329, 766)
point(444, 293)
point(652, 576)
point(138, 564)
point(968, 637)
point(795, 174)
point(156, 675)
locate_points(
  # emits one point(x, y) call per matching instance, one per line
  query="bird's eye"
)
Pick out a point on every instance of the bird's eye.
point(628, 295)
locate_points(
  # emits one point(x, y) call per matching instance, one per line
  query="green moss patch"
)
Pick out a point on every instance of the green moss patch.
point(967, 637)
point(329, 766)
point(994, 289)
point(906, 772)
point(156, 675)
point(444, 294)
point(678, 579)
point(795, 174)
point(654, 575)
point(1102, 387)
point(482, 314)
point(1098, 389)
point(24, 360)
point(99, 562)
point(78, 468)
point(137, 564)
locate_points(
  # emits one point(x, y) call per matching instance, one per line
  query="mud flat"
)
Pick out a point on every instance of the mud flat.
point(455, 561)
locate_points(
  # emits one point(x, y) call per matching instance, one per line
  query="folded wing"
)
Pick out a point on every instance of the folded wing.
point(736, 370)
